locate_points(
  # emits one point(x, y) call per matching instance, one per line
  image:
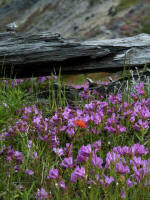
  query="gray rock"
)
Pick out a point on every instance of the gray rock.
point(11, 27)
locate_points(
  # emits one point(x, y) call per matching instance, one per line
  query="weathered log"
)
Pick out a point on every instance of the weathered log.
point(43, 53)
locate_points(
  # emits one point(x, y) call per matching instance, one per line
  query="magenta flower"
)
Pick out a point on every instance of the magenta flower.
point(113, 126)
point(34, 155)
point(67, 162)
point(37, 120)
point(96, 117)
point(138, 149)
point(78, 174)
point(122, 169)
point(118, 150)
point(112, 158)
point(112, 120)
point(29, 172)
point(63, 128)
point(147, 102)
point(19, 187)
point(16, 168)
point(83, 153)
point(30, 144)
point(41, 79)
point(54, 140)
point(110, 129)
point(141, 125)
point(129, 183)
point(134, 97)
point(115, 99)
point(135, 149)
point(108, 180)
point(96, 161)
point(132, 119)
point(140, 89)
point(125, 150)
point(123, 194)
point(97, 145)
point(19, 157)
point(121, 129)
point(137, 161)
point(59, 151)
point(53, 174)
point(70, 131)
point(62, 184)
point(27, 110)
point(6, 105)
point(68, 149)
point(41, 194)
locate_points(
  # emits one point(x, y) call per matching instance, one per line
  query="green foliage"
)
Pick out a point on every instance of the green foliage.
point(125, 4)
point(4, 2)
point(92, 2)
point(15, 98)
point(11, 99)
point(145, 25)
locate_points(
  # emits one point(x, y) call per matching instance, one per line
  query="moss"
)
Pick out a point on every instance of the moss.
point(92, 2)
point(4, 2)
point(125, 4)
point(81, 78)
point(145, 25)
point(76, 79)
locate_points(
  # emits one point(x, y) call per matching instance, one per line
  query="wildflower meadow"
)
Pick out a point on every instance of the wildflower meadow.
point(98, 148)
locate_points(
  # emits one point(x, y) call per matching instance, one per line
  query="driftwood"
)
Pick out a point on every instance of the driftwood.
point(43, 53)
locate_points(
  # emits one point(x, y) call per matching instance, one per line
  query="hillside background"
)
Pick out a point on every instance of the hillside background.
point(78, 19)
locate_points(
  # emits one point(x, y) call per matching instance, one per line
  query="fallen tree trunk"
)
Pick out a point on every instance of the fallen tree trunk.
point(43, 53)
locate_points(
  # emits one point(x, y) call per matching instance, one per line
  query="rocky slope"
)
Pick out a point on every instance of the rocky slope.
point(76, 19)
